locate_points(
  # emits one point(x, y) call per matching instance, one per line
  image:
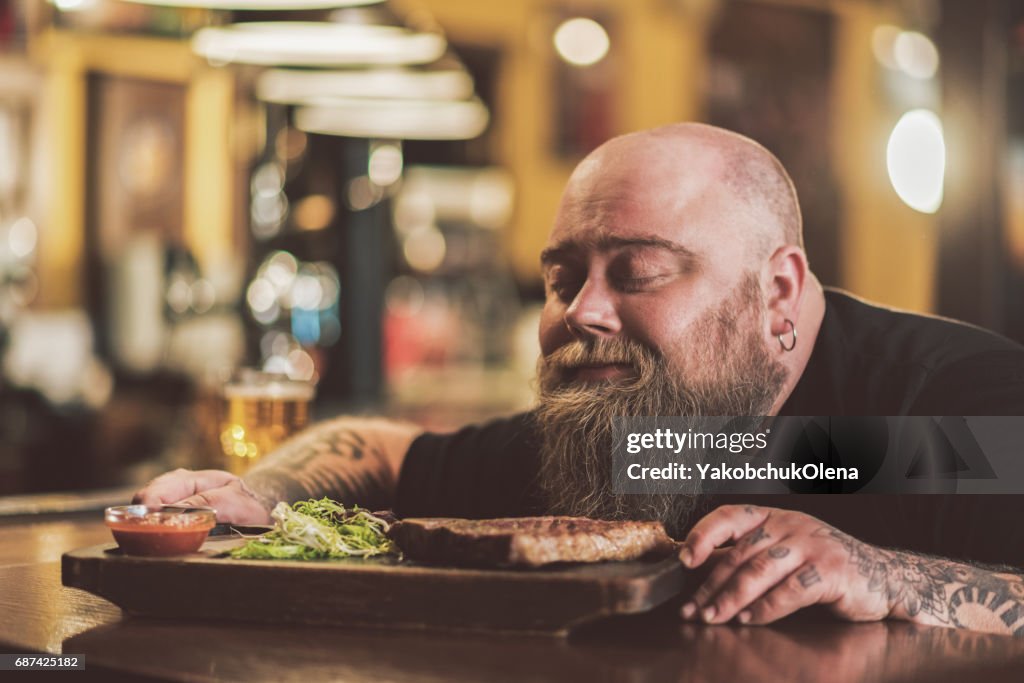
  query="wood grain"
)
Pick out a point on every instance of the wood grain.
point(44, 539)
point(377, 592)
point(39, 613)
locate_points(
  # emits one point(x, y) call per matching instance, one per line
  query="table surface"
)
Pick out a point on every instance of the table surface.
point(38, 614)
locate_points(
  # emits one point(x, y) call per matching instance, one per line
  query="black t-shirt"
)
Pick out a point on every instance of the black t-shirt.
point(869, 360)
point(866, 360)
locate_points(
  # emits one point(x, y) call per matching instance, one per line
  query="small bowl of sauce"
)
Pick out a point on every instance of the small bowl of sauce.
point(162, 531)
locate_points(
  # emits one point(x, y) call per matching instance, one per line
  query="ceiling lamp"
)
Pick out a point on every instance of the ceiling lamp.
point(392, 118)
point(294, 86)
point(316, 44)
point(361, 75)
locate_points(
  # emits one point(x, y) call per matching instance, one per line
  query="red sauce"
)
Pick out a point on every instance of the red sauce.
point(155, 539)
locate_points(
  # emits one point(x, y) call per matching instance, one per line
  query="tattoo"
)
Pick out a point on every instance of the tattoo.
point(991, 601)
point(778, 552)
point(808, 577)
point(264, 502)
point(951, 593)
point(756, 536)
point(329, 460)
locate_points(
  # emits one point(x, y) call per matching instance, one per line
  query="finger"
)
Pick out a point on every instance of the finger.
point(695, 578)
point(802, 588)
point(758, 575)
point(181, 483)
point(233, 504)
point(727, 523)
point(736, 557)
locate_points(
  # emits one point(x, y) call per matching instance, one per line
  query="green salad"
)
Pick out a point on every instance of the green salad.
point(319, 530)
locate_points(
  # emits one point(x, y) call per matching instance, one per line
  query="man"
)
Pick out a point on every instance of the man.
point(677, 285)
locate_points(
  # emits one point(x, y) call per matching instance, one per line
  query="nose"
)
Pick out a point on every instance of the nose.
point(593, 312)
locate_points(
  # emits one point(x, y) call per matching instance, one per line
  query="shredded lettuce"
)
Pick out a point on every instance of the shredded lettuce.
point(319, 530)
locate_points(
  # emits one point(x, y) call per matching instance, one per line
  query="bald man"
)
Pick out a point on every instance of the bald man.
point(676, 284)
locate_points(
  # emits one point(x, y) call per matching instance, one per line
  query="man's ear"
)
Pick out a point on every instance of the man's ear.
point(787, 273)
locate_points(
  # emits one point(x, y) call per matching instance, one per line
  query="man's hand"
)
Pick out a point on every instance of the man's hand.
point(782, 561)
point(226, 493)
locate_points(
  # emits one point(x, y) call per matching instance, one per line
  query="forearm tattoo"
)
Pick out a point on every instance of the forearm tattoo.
point(333, 460)
point(951, 593)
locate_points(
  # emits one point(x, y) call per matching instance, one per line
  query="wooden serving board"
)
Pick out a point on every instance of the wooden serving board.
point(372, 592)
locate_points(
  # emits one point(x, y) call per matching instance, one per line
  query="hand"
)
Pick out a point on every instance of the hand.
point(226, 493)
point(782, 561)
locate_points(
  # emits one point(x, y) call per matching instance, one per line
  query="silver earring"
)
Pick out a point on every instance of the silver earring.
point(792, 345)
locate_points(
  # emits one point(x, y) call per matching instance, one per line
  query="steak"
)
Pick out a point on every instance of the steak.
point(527, 541)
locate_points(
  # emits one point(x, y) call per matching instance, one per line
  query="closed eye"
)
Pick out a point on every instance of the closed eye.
point(562, 282)
point(639, 284)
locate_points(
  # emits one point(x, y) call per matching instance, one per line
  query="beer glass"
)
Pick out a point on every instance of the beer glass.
point(260, 410)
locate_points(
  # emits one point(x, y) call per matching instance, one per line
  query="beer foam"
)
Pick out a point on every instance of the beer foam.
point(285, 391)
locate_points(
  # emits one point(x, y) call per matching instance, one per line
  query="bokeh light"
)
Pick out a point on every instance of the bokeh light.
point(313, 212)
point(916, 159)
point(581, 42)
point(916, 55)
point(909, 52)
point(280, 268)
point(363, 193)
point(22, 237)
point(424, 249)
point(385, 166)
point(883, 45)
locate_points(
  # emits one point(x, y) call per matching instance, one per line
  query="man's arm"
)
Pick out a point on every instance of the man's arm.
point(783, 561)
point(353, 460)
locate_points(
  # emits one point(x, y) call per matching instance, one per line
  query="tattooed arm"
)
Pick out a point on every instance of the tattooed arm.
point(932, 590)
point(353, 460)
point(783, 561)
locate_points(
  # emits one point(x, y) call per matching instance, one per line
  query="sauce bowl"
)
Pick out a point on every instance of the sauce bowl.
point(159, 531)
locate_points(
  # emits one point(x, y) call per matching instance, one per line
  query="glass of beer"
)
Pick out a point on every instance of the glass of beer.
point(260, 410)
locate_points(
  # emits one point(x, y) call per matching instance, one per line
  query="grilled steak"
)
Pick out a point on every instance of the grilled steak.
point(527, 541)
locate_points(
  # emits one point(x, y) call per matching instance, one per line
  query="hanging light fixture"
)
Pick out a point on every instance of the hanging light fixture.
point(361, 73)
point(444, 80)
point(433, 102)
point(316, 44)
point(394, 119)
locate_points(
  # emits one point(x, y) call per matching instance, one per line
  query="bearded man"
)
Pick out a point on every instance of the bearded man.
point(677, 285)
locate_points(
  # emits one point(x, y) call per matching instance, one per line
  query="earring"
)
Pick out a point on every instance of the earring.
point(792, 345)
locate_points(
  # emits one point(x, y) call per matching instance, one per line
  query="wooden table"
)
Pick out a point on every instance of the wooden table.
point(38, 615)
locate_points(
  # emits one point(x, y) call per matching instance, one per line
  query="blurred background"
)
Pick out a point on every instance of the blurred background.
point(355, 193)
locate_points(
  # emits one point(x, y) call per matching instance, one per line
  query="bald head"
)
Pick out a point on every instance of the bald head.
point(686, 240)
point(688, 160)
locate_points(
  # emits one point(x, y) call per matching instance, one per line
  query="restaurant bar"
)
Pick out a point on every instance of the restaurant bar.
point(538, 340)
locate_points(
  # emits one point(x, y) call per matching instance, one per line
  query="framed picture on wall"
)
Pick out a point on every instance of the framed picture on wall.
point(134, 210)
point(136, 155)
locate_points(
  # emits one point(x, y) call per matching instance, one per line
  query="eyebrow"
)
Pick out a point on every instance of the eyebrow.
point(567, 249)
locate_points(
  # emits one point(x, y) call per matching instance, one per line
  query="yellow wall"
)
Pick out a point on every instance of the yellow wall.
point(888, 249)
point(62, 227)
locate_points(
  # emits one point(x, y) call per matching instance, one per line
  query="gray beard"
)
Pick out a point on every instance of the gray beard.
point(575, 420)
